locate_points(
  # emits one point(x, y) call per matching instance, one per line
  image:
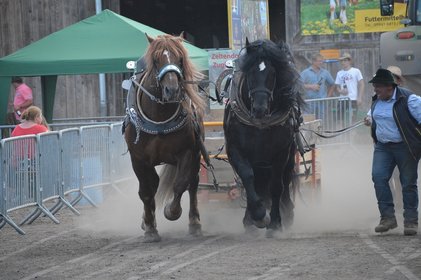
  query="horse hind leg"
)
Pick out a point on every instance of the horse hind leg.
point(290, 179)
point(167, 182)
point(172, 181)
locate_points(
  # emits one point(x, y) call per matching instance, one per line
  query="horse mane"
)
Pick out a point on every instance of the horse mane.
point(289, 88)
point(174, 44)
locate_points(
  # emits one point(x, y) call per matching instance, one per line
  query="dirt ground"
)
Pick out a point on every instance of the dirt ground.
point(332, 238)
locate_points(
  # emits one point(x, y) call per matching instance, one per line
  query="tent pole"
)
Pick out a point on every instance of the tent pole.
point(4, 97)
point(48, 87)
point(102, 88)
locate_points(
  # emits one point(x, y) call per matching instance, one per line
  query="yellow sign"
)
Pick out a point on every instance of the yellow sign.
point(372, 21)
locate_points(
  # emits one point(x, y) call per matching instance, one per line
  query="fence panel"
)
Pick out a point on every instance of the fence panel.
point(335, 114)
point(119, 155)
point(51, 180)
point(70, 160)
point(95, 154)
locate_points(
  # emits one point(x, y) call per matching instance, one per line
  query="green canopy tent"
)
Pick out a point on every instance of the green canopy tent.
point(102, 43)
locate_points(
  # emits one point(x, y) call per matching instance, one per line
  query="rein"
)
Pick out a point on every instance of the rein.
point(334, 133)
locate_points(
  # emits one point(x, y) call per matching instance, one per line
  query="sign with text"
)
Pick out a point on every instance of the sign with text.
point(217, 61)
point(345, 17)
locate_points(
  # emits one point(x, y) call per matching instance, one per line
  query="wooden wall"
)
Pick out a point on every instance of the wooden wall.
point(364, 47)
point(23, 22)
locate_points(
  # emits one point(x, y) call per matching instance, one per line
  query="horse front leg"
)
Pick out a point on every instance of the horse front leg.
point(148, 185)
point(195, 228)
point(181, 181)
point(256, 209)
point(276, 187)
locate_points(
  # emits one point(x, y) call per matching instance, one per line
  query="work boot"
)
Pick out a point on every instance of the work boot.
point(386, 224)
point(410, 228)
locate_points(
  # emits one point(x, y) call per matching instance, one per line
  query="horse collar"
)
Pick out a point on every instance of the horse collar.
point(244, 115)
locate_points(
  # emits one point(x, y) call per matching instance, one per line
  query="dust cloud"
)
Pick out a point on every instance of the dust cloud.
point(345, 201)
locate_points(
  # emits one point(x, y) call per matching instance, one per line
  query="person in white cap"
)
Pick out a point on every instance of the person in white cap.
point(397, 74)
point(349, 83)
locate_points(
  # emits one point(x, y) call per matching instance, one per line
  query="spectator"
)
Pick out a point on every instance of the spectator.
point(318, 83)
point(395, 126)
point(349, 83)
point(31, 122)
point(397, 74)
point(23, 97)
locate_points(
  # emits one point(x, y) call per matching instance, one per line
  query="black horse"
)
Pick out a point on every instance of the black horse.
point(261, 122)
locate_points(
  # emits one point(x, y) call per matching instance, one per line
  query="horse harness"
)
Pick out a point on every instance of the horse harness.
point(291, 117)
point(243, 114)
point(135, 114)
point(142, 123)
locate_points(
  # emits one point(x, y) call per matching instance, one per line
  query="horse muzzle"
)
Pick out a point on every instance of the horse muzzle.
point(171, 94)
point(260, 103)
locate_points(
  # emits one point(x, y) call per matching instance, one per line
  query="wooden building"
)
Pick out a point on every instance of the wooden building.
point(205, 22)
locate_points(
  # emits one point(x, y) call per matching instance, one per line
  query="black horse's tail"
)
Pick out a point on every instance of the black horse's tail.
point(165, 192)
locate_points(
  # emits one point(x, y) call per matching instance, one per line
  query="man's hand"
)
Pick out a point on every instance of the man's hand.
point(367, 121)
point(315, 87)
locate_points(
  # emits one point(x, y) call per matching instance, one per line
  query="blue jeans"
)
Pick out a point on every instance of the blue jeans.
point(385, 158)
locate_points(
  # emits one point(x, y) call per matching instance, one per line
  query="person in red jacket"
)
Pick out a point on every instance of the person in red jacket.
point(31, 122)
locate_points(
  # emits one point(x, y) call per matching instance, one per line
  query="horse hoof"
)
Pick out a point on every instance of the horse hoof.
point(263, 222)
point(273, 233)
point(251, 230)
point(172, 215)
point(195, 230)
point(151, 237)
point(288, 220)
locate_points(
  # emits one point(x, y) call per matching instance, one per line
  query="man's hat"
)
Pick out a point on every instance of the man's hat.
point(383, 76)
point(346, 56)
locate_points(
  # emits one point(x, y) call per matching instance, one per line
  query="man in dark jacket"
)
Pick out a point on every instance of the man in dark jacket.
point(396, 130)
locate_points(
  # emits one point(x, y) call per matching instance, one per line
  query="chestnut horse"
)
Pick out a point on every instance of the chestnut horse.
point(164, 125)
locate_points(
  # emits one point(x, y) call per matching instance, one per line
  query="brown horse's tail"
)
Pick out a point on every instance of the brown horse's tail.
point(166, 180)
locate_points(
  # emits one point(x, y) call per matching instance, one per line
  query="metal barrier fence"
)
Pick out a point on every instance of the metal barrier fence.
point(335, 114)
point(55, 166)
point(63, 165)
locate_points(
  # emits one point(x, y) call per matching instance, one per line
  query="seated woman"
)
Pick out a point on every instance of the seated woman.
point(32, 122)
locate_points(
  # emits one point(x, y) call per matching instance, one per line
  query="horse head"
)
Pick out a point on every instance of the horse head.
point(270, 81)
point(165, 56)
point(260, 79)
